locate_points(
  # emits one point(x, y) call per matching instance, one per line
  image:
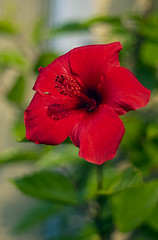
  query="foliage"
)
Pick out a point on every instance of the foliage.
point(65, 186)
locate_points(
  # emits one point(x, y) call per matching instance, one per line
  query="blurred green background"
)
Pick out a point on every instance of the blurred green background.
point(51, 192)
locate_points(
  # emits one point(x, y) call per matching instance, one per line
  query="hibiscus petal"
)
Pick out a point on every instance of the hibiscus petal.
point(49, 122)
point(88, 62)
point(98, 135)
point(122, 91)
point(46, 79)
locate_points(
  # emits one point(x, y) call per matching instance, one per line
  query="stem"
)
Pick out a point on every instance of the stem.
point(99, 177)
point(103, 223)
point(100, 201)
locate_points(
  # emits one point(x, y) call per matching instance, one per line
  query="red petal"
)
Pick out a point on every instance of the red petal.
point(89, 62)
point(41, 127)
point(122, 91)
point(47, 75)
point(98, 135)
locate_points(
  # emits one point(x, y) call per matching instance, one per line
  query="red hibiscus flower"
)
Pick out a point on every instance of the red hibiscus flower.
point(81, 94)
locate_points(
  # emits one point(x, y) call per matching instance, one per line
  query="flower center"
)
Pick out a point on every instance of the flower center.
point(57, 111)
point(66, 85)
point(93, 106)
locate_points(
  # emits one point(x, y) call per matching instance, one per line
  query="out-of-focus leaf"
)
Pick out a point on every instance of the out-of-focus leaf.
point(113, 20)
point(146, 75)
point(144, 232)
point(67, 141)
point(63, 155)
point(19, 128)
point(16, 93)
point(37, 215)
point(152, 131)
point(152, 151)
point(149, 53)
point(69, 28)
point(44, 59)
point(7, 28)
point(152, 219)
point(12, 59)
point(24, 139)
point(51, 186)
point(73, 26)
point(132, 207)
point(18, 155)
point(148, 28)
point(145, 158)
point(67, 237)
point(113, 182)
point(132, 138)
point(38, 31)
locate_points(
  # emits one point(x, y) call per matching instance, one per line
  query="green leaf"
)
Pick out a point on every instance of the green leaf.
point(16, 93)
point(7, 28)
point(18, 155)
point(37, 215)
point(62, 155)
point(51, 186)
point(132, 207)
point(113, 181)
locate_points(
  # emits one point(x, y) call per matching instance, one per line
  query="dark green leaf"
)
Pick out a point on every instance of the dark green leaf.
point(67, 141)
point(145, 72)
point(148, 28)
point(51, 186)
point(132, 207)
point(44, 59)
point(69, 28)
point(16, 93)
point(149, 53)
point(132, 138)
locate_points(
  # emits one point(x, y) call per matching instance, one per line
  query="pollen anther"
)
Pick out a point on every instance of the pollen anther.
point(67, 85)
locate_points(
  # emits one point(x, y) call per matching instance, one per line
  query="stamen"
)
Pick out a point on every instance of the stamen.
point(67, 85)
point(57, 111)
